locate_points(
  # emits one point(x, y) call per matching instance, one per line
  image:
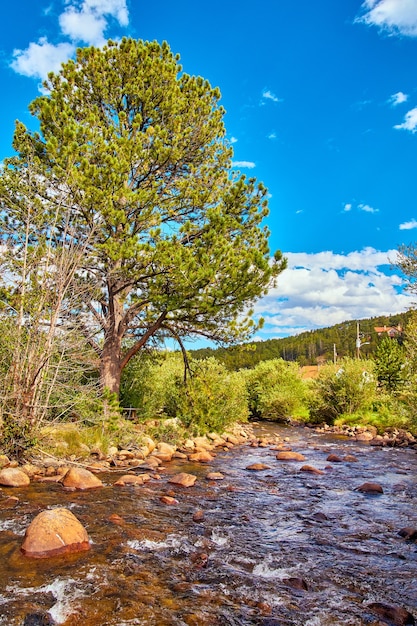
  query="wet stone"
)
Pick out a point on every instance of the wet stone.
point(183, 479)
point(409, 533)
point(287, 455)
point(310, 469)
point(394, 614)
point(372, 488)
point(296, 583)
point(257, 467)
point(334, 458)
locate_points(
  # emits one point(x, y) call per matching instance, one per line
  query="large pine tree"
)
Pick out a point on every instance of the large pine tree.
point(134, 150)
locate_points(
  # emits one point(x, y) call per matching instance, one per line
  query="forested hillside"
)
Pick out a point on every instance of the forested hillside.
point(310, 347)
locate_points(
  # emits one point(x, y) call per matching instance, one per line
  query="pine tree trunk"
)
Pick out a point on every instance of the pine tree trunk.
point(110, 366)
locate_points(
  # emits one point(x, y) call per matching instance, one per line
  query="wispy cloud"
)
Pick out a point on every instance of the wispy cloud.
point(272, 136)
point(233, 140)
point(408, 225)
point(83, 21)
point(347, 207)
point(248, 164)
point(410, 121)
point(397, 17)
point(322, 289)
point(367, 209)
point(397, 98)
point(268, 95)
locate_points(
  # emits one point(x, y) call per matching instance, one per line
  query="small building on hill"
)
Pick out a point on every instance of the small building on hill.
point(391, 331)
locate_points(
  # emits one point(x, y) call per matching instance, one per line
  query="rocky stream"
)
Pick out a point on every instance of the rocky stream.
point(262, 536)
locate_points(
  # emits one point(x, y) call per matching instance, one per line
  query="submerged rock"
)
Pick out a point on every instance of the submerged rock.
point(311, 469)
point(394, 614)
point(55, 532)
point(257, 467)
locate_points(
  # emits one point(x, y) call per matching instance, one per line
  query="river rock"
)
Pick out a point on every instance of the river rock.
point(183, 479)
point(370, 488)
point(287, 455)
point(409, 533)
point(132, 479)
point(168, 500)
point(54, 532)
point(203, 456)
point(164, 451)
point(13, 477)
point(215, 476)
point(296, 583)
point(334, 458)
point(9, 503)
point(257, 467)
point(80, 478)
point(394, 614)
point(198, 516)
point(349, 458)
point(310, 469)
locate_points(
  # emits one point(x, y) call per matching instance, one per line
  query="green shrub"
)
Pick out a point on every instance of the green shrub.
point(276, 391)
point(346, 388)
point(211, 399)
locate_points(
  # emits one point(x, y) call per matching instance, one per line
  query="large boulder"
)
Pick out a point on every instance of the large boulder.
point(79, 478)
point(13, 477)
point(54, 532)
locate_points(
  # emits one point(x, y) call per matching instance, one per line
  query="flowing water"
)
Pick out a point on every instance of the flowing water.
point(275, 547)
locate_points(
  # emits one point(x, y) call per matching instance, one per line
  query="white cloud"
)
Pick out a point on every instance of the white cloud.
point(248, 164)
point(398, 98)
point(408, 225)
point(272, 136)
point(233, 140)
point(410, 121)
point(88, 21)
point(41, 58)
point(319, 290)
point(347, 207)
point(394, 16)
point(367, 208)
point(83, 21)
point(268, 95)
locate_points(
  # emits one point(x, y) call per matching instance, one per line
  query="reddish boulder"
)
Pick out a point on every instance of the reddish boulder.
point(132, 479)
point(287, 455)
point(310, 469)
point(203, 456)
point(168, 500)
point(215, 476)
point(394, 614)
point(79, 478)
point(54, 532)
point(370, 488)
point(13, 477)
point(257, 467)
point(198, 516)
point(334, 458)
point(183, 479)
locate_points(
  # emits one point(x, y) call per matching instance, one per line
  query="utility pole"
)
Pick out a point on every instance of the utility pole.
point(358, 341)
point(334, 354)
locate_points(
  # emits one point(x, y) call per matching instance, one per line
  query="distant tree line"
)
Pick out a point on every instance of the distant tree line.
point(311, 347)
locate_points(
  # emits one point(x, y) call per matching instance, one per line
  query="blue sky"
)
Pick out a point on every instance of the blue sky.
point(321, 101)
